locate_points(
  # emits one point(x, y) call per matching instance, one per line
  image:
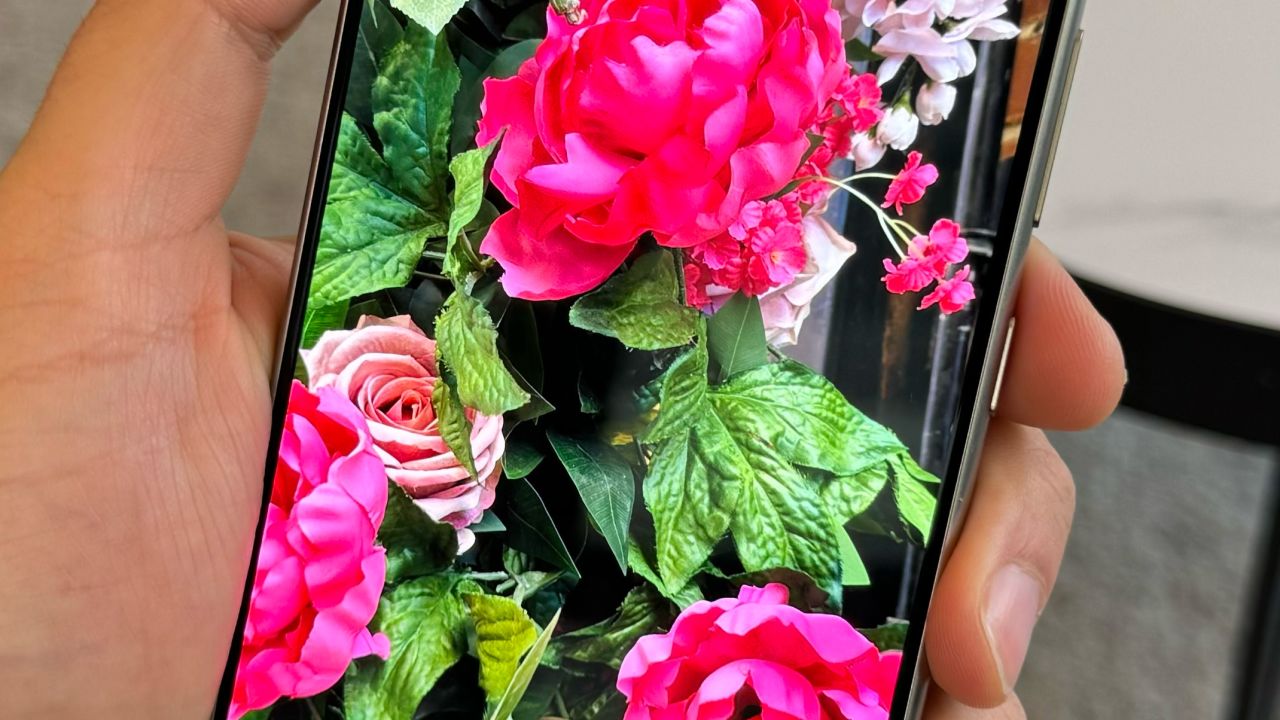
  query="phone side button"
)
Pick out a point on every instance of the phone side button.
point(1004, 360)
point(1057, 127)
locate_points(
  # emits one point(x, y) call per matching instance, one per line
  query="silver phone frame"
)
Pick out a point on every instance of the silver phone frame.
point(1061, 73)
point(1032, 201)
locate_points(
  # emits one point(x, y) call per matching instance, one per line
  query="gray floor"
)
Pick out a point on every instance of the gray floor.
point(1148, 609)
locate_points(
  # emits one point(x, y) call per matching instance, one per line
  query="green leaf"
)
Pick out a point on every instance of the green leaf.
point(503, 633)
point(851, 495)
point(854, 572)
point(426, 622)
point(640, 564)
point(890, 636)
point(468, 344)
point(372, 234)
point(416, 545)
point(916, 504)
point(379, 32)
point(858, 51)
point(430, 14)
point(262, 714)
point(641, 307)
point(524, 674)
point(683, 392)
point(530, 529)
point(411, 101)
point(736, 337)
point(520, 459)
point(642, 612)
point(454, 426)
point(320, 320)
point(468, 194)
point(605, 483)
point(694, 483)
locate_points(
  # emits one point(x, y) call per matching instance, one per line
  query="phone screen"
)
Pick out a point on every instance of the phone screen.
point(629, 356)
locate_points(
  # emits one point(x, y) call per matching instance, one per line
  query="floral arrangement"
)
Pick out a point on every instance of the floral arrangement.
point(544, 456)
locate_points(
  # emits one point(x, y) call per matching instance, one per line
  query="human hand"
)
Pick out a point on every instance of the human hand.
point(140, 338)
point(1065, 372)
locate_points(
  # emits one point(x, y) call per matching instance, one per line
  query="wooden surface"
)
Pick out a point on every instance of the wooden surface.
point(1166, 180)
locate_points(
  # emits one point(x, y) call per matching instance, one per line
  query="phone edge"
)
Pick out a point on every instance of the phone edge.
point(318, 178)
point(1035, 184)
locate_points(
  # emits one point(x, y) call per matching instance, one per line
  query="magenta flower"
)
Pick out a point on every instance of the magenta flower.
point(911, 274)
point(909, 185)
point(387, 368)
point(944, 246)
point(755, 651)
point(654, 117)
point(859, 97)
point(319, 573)
point(952, 294)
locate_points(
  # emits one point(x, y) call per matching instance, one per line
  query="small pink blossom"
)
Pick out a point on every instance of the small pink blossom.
point(859, 97)
point(944, 246)
point(952, 294)
point(909, 186)
point(912, 274)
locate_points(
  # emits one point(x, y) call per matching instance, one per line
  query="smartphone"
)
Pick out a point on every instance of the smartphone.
point(640, 354)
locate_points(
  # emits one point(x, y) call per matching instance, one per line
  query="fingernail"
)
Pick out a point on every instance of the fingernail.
point(1013, 605)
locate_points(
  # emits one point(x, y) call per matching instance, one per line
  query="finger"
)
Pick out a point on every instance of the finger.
point(943, 707)
point(150, 114)
point(1066, 368)
point(999, 574)
point(260, 280)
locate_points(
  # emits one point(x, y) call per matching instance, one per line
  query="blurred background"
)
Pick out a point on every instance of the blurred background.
point(1164, 203)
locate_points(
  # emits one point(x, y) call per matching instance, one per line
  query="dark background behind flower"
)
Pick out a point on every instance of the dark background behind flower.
point(1145, 620)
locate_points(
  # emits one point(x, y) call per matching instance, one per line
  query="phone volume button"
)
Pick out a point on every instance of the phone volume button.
point(1004, 360)
point(1058, 121)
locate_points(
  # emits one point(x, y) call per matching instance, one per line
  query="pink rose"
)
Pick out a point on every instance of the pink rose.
point(654, 116)
point(756, 650)
point(319, 574)
point(387, 368)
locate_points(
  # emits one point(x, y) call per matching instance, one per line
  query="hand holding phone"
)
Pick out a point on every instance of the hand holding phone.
point(178, 531)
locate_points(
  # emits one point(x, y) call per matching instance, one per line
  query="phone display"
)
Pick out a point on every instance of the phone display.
point(632, 348)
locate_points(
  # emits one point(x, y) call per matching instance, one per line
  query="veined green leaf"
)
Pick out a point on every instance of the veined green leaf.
point(503, 633)
point(640, 564)
point(319, 320)
point(416, 545)
point(468, 194)
point(426, 622)
point(735, 335)
point(916, 504)
point(642, 611)
point(468, 343)
point(379, 32)
point(890, 636)
point(524, 674)
point(454, 426)
point(605, 484)
point(640, 307)
point(530, 529)
point(849, 496)
point(854, 572)
point(431, 14)
point(411, 103)
point(683, 392)
point(520, 459)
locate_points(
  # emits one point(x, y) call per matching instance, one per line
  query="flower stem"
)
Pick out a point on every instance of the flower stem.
point(869, 176)
point(498, 576)
point(885, 221)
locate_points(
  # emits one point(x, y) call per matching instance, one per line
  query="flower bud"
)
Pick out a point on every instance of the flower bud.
point(934, 102)
point(866, 151)
point(898, 128)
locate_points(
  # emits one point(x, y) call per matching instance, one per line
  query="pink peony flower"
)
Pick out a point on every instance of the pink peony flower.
point(319, 574)
point(909, 185)
point(952, 294)
point(756, 651)
point(653, 116)
point(387, 368)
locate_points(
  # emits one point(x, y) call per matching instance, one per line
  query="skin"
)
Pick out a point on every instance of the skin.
point(137, 352)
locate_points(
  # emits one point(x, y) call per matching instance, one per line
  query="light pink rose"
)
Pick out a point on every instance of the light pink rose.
point(651, 116)
point(755, 650)
point(387, 368)
point(786, 308)
point(319, 574)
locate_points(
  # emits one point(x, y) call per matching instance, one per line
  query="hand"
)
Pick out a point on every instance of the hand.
point(1065, 372)
point(139, 342)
